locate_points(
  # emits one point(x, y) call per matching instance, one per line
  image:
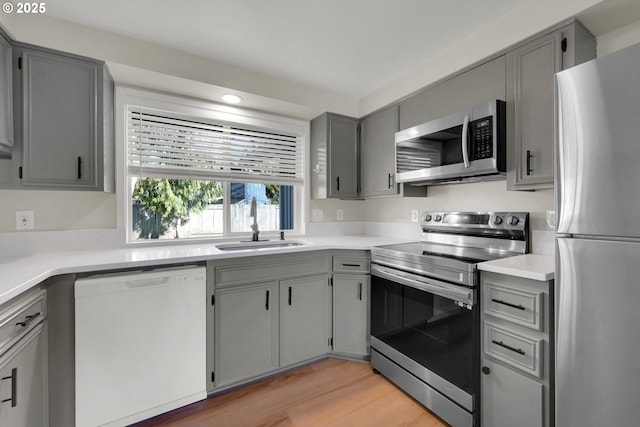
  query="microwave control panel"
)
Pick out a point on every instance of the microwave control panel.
point(482, 137)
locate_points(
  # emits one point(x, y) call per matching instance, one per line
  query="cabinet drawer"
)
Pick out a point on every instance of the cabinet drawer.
point(272, 269)
point(343, 264)
point(520, 306)
point(19, 317)
point(521, 352)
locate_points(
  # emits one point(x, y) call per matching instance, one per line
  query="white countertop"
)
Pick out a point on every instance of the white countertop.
point(530, 266)
point(20, 273)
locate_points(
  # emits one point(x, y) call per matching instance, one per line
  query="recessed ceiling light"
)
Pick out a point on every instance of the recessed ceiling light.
point(231, 99)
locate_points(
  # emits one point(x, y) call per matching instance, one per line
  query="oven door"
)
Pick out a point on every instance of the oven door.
point(429, 329)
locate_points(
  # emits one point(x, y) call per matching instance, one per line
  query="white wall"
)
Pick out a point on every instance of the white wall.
point(508, 30)
point(619, 39)
point(139, 60)
point(485, 196)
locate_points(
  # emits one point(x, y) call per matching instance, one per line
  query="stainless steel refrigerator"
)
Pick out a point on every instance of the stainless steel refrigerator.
point(597, 296)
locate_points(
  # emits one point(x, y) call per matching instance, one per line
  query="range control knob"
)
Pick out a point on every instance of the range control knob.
point(427, 217)
point(513, 220)
point(438, 218)
point(497, 220)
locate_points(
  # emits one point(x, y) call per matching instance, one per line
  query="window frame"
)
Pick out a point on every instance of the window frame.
point(209, 110)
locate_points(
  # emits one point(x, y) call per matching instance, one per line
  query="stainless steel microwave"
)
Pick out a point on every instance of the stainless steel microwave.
point(466, 146)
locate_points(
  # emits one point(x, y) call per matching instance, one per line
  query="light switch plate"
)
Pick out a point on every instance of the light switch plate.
point(24, 220)
point(414, 215)
point(340, 214)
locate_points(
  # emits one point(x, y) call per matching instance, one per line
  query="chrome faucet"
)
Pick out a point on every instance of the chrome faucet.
point(254, 213)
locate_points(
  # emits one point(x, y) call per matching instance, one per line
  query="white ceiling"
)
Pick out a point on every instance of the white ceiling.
point(351, 47)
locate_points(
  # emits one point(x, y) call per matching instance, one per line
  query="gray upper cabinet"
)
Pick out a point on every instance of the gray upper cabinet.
point(482, 83)
point(64, 109)
point(334, 157)
point(6, 105)
point(377, 151)
point(530, 102)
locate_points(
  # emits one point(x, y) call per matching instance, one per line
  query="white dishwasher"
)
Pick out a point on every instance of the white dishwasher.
point(140, 344)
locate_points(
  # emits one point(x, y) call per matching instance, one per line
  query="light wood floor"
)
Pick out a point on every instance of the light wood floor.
point(328, 393)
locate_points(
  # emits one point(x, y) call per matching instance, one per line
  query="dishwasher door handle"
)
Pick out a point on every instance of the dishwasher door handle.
point(144, 283)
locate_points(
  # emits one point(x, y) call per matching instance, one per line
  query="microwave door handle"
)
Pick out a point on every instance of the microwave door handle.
point(465, 142)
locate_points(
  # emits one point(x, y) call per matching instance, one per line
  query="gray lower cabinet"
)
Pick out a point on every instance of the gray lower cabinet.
point(23, 362)
point(267, 313)
point(517, 350)
point(6, 97)
point(334, 157)
point(351, 290)
point(64, 121)
point(304, 319)
point(510, 399)
point(531, 98)
point(351, 315)
point(246, 332)
point(377, 151)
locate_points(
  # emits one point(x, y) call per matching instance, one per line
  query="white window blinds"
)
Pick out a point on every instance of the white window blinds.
point(162, 144)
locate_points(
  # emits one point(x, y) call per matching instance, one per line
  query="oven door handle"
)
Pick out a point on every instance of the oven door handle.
point(436, 287)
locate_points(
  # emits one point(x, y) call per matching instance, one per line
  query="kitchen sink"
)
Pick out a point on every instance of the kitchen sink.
point(261, 244)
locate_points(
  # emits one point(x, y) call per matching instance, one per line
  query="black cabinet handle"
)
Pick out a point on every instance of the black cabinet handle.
point(79, 167)
point(350, 265)
point(289, 295)
point(360, 291)
point(338, 184)
point(486, 370)
point(508, 304)
point(529, 155)
point(14, 388)
point(266, 304)
point(390, 185)
point(28, 319)
point(508, 347)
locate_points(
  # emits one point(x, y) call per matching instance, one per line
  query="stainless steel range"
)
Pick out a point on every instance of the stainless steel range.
point(425, 320)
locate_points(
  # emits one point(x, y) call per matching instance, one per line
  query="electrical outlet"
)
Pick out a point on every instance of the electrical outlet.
point(24, 220)
point(551, 219)
point(415, 215)
point(340, 214)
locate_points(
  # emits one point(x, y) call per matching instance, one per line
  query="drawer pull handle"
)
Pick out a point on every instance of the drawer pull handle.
point(360, 291)
point(350, 265)
point(28, 320)
point(508, 304)
point(14, 387)
point(290, 295)
point(266, 303)
point(508, 347)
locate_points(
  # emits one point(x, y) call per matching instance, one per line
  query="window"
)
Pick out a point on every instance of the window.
point(193, 168)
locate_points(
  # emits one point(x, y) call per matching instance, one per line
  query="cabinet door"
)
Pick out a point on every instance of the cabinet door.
point(23, 392)
point(343, 157)
point(510, 399)
point(304, 317)
point(377, 135)
point(351, 315)
point(246, 332)
point(6, 97)
point(530, 88)
point(59, 118)
point(482, 83)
